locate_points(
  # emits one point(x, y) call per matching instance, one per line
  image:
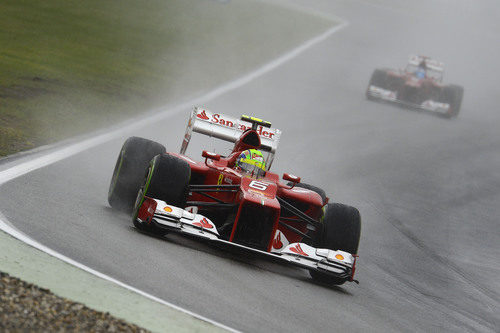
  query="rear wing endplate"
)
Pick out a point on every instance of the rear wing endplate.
point(228, 128)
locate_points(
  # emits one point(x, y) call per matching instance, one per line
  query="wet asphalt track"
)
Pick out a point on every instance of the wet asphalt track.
point(428, 188)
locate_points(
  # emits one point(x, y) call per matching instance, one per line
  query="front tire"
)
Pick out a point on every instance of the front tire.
point(378, 79)
point(128, 175)
point(167, 179)
point(341, 231)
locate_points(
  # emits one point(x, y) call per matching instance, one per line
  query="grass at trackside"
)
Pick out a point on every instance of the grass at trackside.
point(69, 66)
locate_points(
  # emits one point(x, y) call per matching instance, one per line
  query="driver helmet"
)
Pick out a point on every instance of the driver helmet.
point(420, 72)
point(251, 161)
point(421, 69)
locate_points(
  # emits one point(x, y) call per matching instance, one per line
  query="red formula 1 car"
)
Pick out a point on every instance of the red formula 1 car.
point(216, 200)
point(418, 86)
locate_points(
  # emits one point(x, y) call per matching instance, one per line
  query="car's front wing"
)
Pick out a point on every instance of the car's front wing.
point(392, 96)
point(338, 263)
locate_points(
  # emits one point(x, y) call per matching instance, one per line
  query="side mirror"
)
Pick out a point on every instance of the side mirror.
point(210, 155)
point(292, 178)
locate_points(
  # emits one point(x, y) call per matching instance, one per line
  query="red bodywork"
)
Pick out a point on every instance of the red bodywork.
point(249, 210)
point(411, 89)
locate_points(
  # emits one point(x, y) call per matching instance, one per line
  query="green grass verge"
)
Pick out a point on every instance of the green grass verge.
point(70, 66)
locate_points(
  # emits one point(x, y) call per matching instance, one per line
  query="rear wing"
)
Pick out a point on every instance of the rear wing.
point(432, 64)
point(228, 128)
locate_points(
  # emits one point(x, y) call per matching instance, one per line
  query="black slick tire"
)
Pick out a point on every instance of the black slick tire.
point(378, 79)
point(453, 95)
point(129, 171)
point(167, 179)
point(341, 231)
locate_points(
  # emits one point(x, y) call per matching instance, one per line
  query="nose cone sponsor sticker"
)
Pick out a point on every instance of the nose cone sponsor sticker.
point(167, 209)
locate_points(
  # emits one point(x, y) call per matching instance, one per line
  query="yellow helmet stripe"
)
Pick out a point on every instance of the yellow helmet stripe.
point(253, 162)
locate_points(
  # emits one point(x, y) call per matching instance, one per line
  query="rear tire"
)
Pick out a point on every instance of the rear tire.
point(131, 165)
point(167, 179)
point(341, 231)
point(453, 95)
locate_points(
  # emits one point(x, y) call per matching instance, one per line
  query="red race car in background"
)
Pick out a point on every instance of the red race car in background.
point(215, 200)
point(418, 86)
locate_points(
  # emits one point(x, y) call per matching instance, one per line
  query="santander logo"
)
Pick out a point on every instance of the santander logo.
point(218, 119)
point(204, 224)
point(202, 115)
point(297, 249)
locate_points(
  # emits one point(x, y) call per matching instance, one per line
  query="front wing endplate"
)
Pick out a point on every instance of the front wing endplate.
point(391, 96)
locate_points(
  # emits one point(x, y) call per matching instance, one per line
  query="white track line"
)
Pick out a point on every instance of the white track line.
point(70, 150)
point(17, 234)
point(73, 149)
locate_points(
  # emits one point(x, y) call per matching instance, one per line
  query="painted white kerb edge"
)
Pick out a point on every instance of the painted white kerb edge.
point(17, 234)
point(73, 149)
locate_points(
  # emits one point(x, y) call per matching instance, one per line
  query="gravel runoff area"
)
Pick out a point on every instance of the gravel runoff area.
point(26, 307)
point(55, 296)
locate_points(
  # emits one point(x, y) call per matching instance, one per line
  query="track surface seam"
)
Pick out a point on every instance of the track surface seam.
point(418, 243)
